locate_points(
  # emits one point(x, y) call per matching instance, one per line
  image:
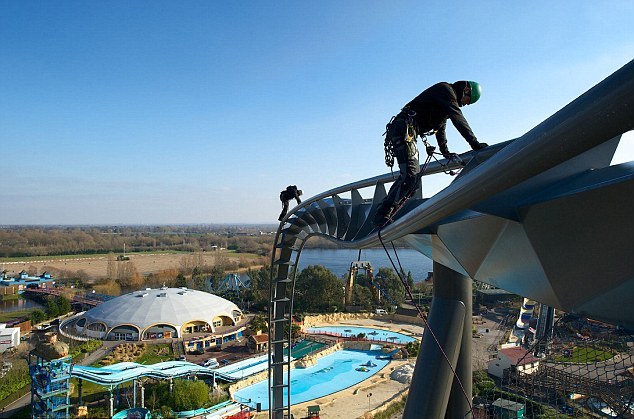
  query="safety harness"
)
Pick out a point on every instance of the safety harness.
point(410, 135)
point(388, 146)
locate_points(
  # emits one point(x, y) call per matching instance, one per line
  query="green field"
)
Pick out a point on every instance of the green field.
point(6, 316)
point(585, 355)
point(150, 355)
point(26, 259)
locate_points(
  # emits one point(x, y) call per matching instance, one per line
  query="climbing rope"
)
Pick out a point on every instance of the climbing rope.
point(408, 290)
point(388, 147)
point(431, 153)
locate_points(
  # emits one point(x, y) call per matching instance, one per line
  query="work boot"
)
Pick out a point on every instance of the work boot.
point(381, 217)
point(478, 146)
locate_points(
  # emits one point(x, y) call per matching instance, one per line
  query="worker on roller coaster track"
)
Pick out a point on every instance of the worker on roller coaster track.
point(291, 192)
point(426, 114)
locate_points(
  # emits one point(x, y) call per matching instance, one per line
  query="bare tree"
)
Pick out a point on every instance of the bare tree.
point(111, 270)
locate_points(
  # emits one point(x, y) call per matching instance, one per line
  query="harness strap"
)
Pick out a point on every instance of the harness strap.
point(410, 135)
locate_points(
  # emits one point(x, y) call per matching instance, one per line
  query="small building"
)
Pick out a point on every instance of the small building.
point(23, 323)
point(516, 359)
point(201, 343)
point(491, 296)
point(506, 409)
point(17, 285)
point(313, 411)
point(9, 337)
point(258, 343)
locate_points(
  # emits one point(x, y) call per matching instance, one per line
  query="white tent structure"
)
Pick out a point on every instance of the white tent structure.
point(156, 314)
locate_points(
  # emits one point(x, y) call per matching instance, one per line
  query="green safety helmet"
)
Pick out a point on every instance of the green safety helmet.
point(476, 91)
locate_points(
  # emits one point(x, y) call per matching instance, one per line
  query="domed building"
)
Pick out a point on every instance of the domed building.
point(158, 314)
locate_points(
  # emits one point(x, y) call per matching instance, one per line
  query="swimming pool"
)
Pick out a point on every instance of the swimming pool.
point(374, 334)
point(250, 366)
point(331, 374)
point(304, 348)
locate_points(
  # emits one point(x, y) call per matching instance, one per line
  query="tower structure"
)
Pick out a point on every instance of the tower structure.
point(50, 386)
point(352, 274)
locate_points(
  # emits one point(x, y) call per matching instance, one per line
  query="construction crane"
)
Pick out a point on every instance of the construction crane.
point(377, 291)
point(352, 273)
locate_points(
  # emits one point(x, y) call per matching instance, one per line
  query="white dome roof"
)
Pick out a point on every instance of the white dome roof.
point(173, 306)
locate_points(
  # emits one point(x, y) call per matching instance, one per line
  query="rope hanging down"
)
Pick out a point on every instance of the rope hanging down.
point(408, 290)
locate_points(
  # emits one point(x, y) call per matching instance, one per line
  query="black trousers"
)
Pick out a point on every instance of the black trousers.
point(406, 154)
point(284, 209)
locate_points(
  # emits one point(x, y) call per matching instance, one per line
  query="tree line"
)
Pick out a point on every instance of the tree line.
point(319, 290)
point(54, 306)
point(55, 241)
point(29, 241)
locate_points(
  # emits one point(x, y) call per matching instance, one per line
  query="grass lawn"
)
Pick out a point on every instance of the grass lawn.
point(151, 354)
point(585, 355)
point(5, 317)
point(92, 392)
point(57, 257)
point(234, 254)
point(228, 253)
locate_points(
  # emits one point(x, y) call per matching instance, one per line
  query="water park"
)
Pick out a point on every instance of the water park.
point(325, 359)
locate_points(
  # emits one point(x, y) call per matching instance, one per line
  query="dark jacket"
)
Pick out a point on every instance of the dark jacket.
point(291, 192)
point(437, 104)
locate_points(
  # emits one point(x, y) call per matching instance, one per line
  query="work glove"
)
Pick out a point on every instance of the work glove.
point(453, 157)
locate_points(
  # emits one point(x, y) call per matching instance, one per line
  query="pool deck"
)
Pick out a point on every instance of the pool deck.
point(380, 323)
point(353, 402)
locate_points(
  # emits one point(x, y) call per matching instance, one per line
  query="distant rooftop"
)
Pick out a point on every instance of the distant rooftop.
point(22, 278)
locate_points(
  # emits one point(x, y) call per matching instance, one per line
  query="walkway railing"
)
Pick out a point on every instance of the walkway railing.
point(65, 323)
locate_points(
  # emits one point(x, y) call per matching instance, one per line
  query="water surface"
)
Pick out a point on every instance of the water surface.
point(19, 304)
point(331, 374)
point(338, 260)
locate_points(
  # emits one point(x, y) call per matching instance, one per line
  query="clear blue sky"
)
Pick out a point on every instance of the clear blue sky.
point(156, 112)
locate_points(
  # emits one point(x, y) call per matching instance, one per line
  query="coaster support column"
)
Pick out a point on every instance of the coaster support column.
point(444, 351)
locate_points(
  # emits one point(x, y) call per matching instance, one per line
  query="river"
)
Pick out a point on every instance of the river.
point(7, 306)
point(338, 260)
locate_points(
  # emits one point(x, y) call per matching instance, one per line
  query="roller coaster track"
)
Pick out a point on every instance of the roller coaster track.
point(544, 216)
